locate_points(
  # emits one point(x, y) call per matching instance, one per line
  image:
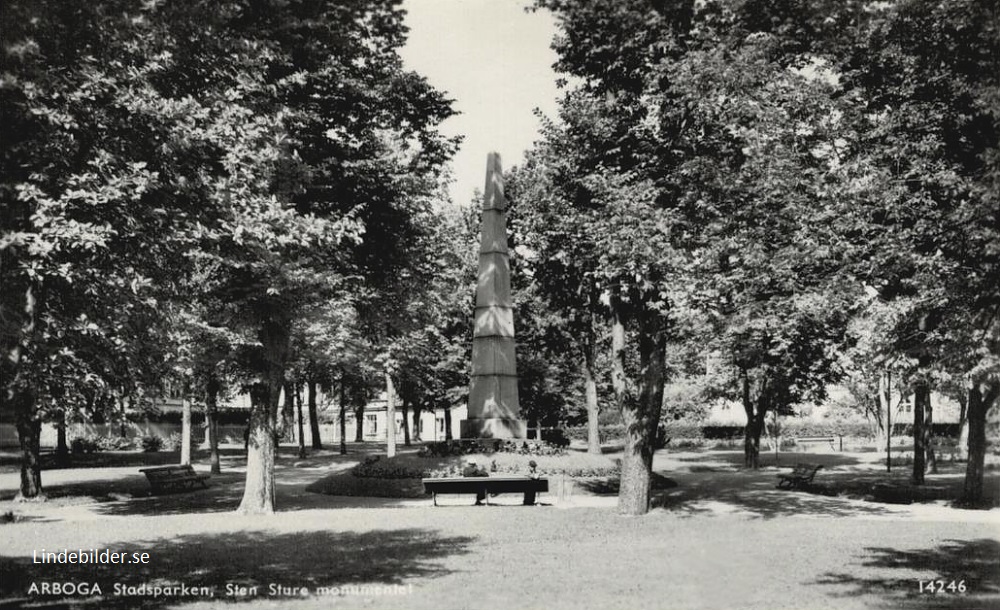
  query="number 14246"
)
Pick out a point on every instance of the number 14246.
point(942, 586)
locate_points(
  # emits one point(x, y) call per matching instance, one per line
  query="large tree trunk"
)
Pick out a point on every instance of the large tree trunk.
point(29, 432)
point(17, 384)
point(390, 416)
point(258, 494)
point(921, 428)
point(185, 431)
point(978, 406)
point(590, 391)
point(212, 421)
point(314, 416)
point(640, 410)
point(447, 423)
point(417, 410)
point(751, 440)
point(359, 418)
point(756, 411)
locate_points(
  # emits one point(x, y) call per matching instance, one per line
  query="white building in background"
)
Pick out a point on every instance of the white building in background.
point(373, 425)
point(946, 410)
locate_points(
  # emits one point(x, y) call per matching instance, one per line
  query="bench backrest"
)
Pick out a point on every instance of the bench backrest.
point(806, 469)
point(169, 472)
point(492, 484)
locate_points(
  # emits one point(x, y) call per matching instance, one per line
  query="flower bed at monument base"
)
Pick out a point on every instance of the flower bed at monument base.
point(417, 467)
point(399, 476)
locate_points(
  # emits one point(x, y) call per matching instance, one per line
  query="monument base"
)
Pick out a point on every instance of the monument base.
point(494, 428)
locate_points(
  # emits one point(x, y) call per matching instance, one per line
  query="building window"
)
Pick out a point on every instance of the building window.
point(372, 424)
point(440, 425)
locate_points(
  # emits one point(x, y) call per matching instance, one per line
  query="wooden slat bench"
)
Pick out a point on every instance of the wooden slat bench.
point(801, 476)
point(818, 439)
point(486, 486)
point(173, 478)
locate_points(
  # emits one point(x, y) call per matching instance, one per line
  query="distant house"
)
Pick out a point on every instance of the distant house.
point(373, 426)
point(946, 410)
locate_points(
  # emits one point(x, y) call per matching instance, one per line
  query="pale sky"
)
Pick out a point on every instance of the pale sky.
point(494, 60)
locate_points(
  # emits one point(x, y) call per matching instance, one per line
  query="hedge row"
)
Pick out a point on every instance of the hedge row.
point(224, 417)
point(789, 429)
point(149, 443)
point(488, 446)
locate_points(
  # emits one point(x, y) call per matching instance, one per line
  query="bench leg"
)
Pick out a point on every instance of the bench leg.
point(529, 498)
point(435, 496)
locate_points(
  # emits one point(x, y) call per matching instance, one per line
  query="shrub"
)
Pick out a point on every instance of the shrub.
point(556, 437)
point(572, 465)
point(172, 442)
point(223, 417)
point(488, 446)
point(616, 433)
point(83, 444)
point(722, 433)
point(443, 449)
point(375, 468)
point(683, 430)
point(608, 433)
point(688, 443)
point(114, 443)
point(150, 443)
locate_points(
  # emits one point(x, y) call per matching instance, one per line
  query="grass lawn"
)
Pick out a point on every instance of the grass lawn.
point(722, 538)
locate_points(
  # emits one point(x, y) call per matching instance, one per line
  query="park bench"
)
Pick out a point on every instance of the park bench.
point(173, 478)
point(486, 486)
point(801, 476)
point(819, 439)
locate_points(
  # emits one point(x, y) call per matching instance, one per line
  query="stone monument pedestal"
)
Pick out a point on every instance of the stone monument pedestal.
point(494, 427)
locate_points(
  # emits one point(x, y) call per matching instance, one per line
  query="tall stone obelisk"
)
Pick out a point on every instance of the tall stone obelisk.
point(493, 404)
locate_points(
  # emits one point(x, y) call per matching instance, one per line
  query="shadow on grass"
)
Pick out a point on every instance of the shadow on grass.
point(892, 576)
point(304, 559)
point(722, 461)
point(727, 493)
point(226, 491)
point(10, 461)
point(129, 494)
point(612, 485)
point(100, 459)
